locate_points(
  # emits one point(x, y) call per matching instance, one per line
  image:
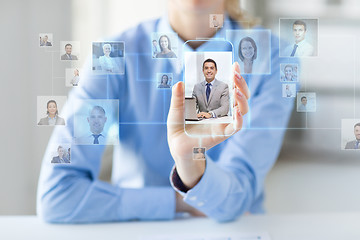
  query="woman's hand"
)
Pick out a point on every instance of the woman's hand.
point(181, 145)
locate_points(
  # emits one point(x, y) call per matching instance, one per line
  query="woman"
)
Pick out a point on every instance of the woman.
point(233, 182)
point(288, 92)
point(52, 115)
point(247, 53)
point(107, 63)
point(165, 47)
point(289, 74)
point(75, 80)
point(164, 82)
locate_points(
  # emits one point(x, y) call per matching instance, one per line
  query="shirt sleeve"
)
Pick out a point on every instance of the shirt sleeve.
point(233, 181)
point(68, 194)
point(73, 193)
point(212, 192)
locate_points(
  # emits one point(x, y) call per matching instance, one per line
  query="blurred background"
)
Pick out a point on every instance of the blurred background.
point(312, 174)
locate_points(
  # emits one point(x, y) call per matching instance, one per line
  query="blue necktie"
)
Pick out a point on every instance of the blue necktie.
point(208, 90)
point(96, 138)
point(294, 50)
point(357, 145)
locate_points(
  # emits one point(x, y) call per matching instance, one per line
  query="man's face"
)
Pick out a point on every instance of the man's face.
point(154, 43)
point(61, 152)
point(68, 50)
point(299, 33)
point(304, 101)
point(45, 39)
point(357, 132)
point(209, 71)
point(96, 121)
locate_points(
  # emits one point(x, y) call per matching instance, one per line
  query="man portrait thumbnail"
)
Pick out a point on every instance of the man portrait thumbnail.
point(212, 95)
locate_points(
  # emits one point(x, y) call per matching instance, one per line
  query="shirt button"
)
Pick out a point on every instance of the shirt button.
point(200, 204)
point(193, 198)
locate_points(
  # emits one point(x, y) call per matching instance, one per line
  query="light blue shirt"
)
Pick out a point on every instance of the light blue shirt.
point(51, 120)
point(233, 181)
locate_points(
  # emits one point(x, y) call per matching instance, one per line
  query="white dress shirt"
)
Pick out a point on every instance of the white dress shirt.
point(304, 49)
point(89, 140)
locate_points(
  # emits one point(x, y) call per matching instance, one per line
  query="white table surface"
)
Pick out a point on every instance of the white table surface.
point(226, 119)
point(330, 226)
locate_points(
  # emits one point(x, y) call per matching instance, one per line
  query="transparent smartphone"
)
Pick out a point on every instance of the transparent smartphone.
point(209, 98)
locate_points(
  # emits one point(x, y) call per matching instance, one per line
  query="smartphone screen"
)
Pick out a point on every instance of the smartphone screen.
point(208, 83)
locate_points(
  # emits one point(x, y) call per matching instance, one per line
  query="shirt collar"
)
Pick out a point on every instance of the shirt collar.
point(211, 84)
point(302, 43)
point(100, 135)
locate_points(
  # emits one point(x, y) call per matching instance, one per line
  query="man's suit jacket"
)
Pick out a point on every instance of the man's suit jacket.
point(351, 145)
point(218, 100)
point(45, 121)
point(66, 57)
point(57, 160)
point(46, 44)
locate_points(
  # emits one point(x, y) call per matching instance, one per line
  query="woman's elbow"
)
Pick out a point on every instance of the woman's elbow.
point(50, 211)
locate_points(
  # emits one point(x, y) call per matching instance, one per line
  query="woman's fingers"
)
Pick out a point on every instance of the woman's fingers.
point(240, 81)
point(238, 121)
point(236, 126)
point(176, 112)
point(241, 101)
